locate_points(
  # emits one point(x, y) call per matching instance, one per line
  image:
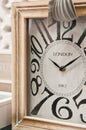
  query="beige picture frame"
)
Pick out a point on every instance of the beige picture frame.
point(20, 13)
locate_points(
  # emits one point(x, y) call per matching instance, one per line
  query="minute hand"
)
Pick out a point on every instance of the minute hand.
point(69, 63)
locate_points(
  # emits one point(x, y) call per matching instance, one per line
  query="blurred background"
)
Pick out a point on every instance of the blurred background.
point(5, 63)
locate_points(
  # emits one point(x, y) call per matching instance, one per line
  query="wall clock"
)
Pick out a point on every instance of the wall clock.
point(58, 70)
point(49, 69)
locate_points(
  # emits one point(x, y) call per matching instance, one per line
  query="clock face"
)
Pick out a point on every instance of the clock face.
point(58, 70)
point(61, 62)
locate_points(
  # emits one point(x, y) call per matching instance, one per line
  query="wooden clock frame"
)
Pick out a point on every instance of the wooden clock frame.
point(20, 13)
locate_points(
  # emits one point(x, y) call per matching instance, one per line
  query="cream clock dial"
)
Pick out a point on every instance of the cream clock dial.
point(61, 62)
point(58, 70)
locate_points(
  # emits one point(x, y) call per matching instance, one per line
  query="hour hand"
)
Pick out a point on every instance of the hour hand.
point(55, 64)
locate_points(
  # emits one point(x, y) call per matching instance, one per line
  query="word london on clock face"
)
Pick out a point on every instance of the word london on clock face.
point(58, 70)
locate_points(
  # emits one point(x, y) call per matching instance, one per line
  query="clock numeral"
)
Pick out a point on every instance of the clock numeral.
point(36, 46)
point(35, 66)
point(54, 106)
point(82, 37)
point(82, 118)
point(75, 100)
point(39, 105)
point(58, 31)
point(68, 28)
point(83, 101)
point(45, 30)
point(35, 84)
point(54, 110)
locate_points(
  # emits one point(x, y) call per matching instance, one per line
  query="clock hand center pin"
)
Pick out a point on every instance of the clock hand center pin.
point(62, 68)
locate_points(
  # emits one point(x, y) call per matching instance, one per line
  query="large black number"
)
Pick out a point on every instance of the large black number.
point(78, 104)
point(82, 37)
point(35, 66)
point(35, 84)
point(36, 46)
point(39, 105)
point(81, 102)
point(58, 31)
point(55, 109)
point(68, 28)
point(82, 118)
point(41, 32)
